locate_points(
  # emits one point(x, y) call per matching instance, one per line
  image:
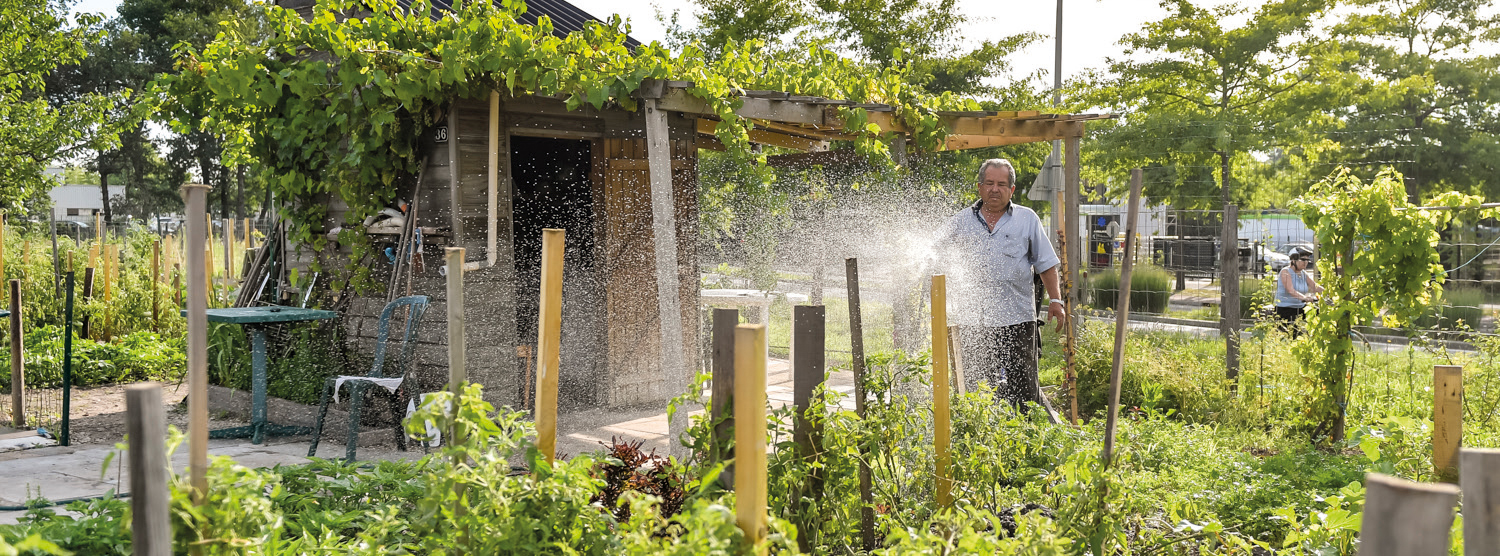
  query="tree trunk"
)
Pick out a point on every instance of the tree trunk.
point(240, 214)
point(104, 192)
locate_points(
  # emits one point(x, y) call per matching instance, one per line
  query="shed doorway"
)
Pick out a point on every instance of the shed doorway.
point(552, 189)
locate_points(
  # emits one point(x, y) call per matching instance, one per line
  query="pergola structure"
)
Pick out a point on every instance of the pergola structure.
point(809, 124)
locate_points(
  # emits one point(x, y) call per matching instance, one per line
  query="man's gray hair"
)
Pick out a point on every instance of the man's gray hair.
point(993, 163)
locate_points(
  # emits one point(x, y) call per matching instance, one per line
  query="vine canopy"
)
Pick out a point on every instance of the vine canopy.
point(337, 104)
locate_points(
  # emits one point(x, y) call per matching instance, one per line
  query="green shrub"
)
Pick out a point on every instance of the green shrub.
point(1456, 309)
point(1150, 289)
point(134, 357)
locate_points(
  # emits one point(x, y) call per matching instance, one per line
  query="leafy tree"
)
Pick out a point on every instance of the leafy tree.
point(1421, 100)
point(113, 67)
point(166, 26)
point(34, 41)
point(922, 37)
point(1195, 93)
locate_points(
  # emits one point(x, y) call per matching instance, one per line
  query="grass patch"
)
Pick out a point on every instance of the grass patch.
point(1150, 289)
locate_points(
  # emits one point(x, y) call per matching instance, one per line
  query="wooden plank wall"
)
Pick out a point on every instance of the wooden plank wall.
point(634, 338)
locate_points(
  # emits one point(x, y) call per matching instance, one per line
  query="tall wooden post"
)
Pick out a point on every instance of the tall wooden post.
point(229, 255)
point(56, 259)
point(1403, 518)
point(1447, 420)
point(750, 431)
point(808, 360)
point(722, 397)
point(458, 373)
point(156, 285)
point(1122, 316)
point(664, 234)
point(17, 376)
point(941, 395)
point(1230, 302)
point(1072, 172)
point(857, 360)
point(549, 333)
point(195, 196)
point(146, 429)
point(1479, 479)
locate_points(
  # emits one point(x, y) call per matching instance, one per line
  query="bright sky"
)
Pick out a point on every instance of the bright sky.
point(1090, 27)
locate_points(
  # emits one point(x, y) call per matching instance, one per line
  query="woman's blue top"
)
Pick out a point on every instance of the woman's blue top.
point(1299, 282)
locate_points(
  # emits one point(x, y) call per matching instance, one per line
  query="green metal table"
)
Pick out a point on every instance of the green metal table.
point(254, 319)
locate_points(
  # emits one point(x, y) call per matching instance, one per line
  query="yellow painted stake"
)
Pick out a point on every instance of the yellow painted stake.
point(248, 229)
point(750, 431)
point(549, 333)
point(1447, 420)
point(98, 228)
point(940, 393)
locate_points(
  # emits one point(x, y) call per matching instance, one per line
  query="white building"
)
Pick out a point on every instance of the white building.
point(80, 202)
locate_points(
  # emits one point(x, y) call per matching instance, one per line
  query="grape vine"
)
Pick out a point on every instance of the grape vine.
point(1378, 262)
point(337, 105)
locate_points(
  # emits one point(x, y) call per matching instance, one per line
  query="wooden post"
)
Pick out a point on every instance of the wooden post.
point(67, 364)
point(956, 361)
point(195, 196)
point(1122, 316)
point(1230, 302)
point(664, 228)
point(722, 397)
point(17, 376)
point(156, 285)
point(1070, 345)
point(1447, 420)
point(458, 373)
point(229, 255)
point(1479, 479)
point(940, 391)
point(857, 360)
point(549, 332)
point(208, 250)
point(1072, 172)
point(98, 229)
point(88, 293)
point(808, 360)
point(1403, 518)
point(249, 240)
point(56, 260)
point(750, 431)
point(146, 429)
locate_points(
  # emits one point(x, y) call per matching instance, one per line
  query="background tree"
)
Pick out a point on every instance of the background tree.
point(34, 41)
point(1196, 94)
point(163, 27)
point(1420, 100)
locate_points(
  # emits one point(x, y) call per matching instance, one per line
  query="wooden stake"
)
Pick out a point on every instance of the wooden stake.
point(195, 196)
point(1230, 302)
point(956, 360)
point(457, 371)
point(1403, 518)
point(229, 255)
point(722, 398)
point(1447, 420)
point(156, 285)
point(17, 376)
point(750, 432)
point(1122, 317)
point(549, 334)
point(857, 360)
point(1479, 479)
point(940, 391)
point(208, 250)
point(146, 430)
point(249, 235)
point(808, 359)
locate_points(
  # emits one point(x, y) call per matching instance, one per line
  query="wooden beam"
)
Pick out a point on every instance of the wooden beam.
point(679, 100)
point(963, 142)
point(767, 137)
point(669, 306)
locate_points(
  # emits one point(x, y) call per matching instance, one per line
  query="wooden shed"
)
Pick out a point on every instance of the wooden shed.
point(623, 185)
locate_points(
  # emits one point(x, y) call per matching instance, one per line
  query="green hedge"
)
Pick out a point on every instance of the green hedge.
point(1150, 289)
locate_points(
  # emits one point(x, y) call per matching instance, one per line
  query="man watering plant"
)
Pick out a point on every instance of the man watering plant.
point(991, 251)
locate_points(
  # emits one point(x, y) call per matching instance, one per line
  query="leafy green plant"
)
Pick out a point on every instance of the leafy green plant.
point(1150, 289)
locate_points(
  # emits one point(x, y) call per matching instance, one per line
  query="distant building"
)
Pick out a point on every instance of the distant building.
point(80, 202)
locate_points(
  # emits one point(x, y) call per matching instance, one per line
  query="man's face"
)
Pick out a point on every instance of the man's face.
point(995, 190)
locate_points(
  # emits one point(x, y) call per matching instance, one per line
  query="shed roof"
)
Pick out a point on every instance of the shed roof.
point(566, 18)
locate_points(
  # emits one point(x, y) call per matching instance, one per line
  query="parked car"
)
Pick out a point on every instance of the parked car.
point(1265, 255)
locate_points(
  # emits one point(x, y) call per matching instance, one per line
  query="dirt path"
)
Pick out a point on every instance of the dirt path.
point(99, 413)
